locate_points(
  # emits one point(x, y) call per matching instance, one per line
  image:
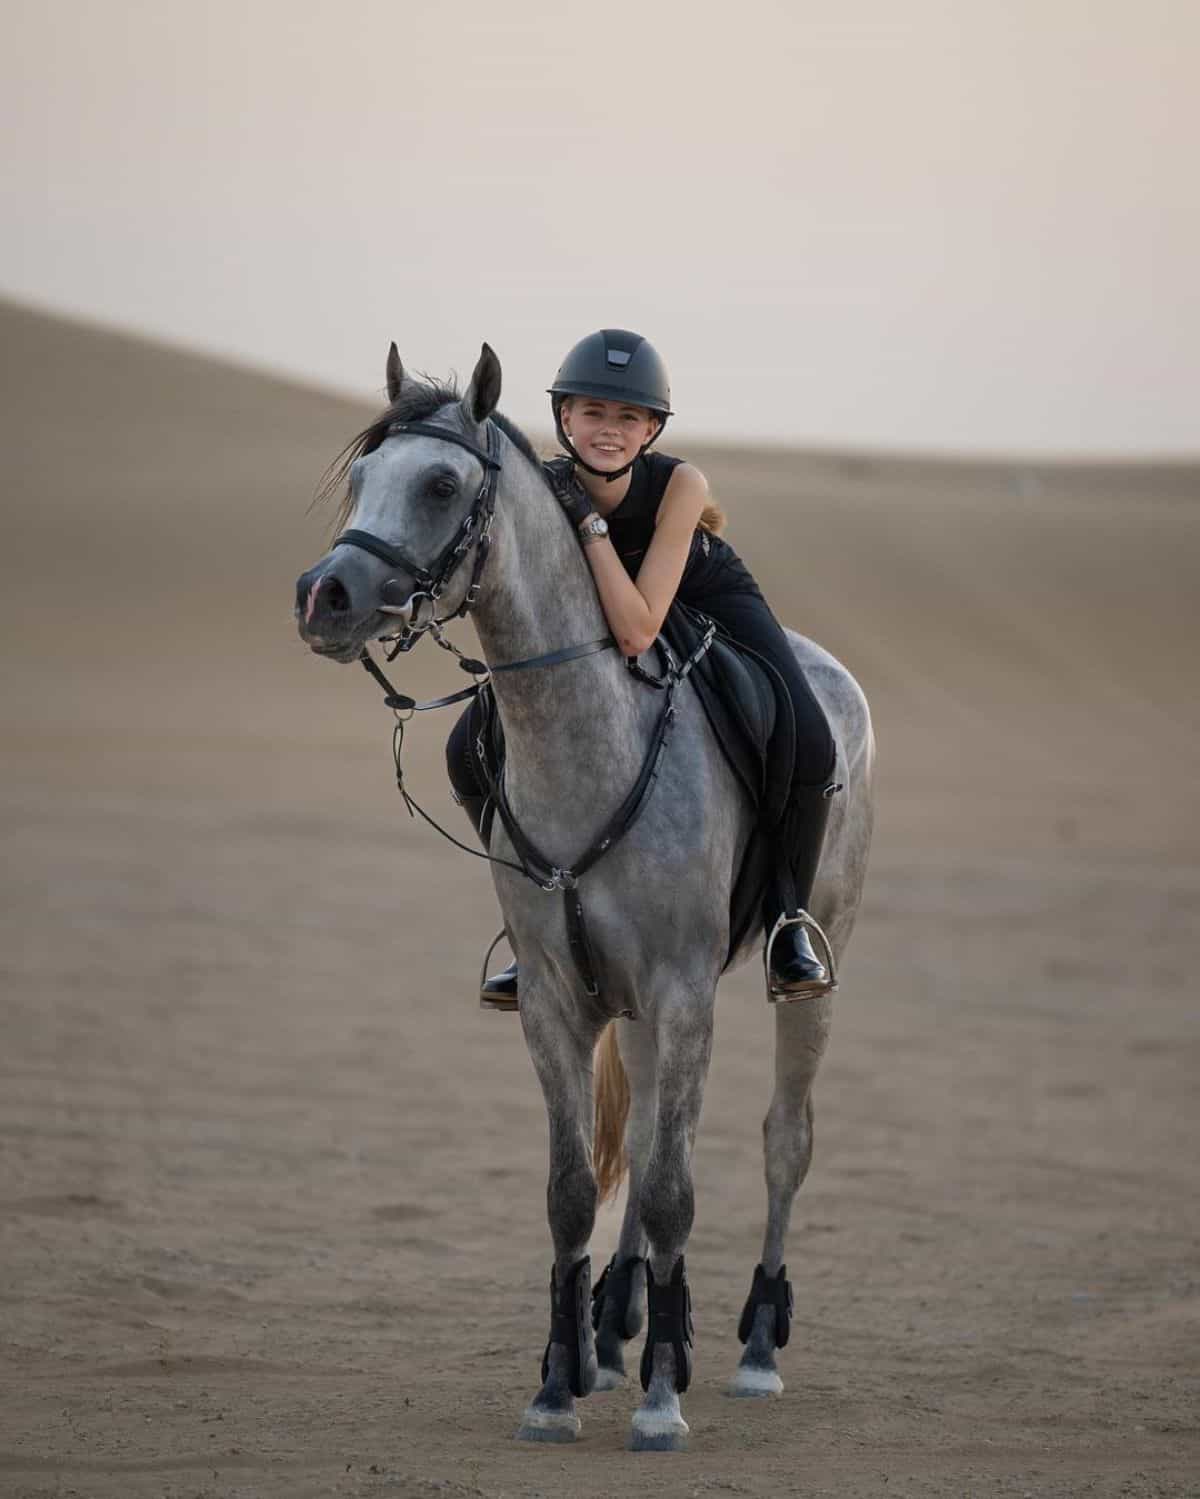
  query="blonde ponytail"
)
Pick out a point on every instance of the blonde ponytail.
point(712, 519)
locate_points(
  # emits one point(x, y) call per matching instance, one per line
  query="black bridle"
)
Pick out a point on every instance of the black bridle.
point(430, 582)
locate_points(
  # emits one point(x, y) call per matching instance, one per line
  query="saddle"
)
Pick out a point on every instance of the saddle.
point(749, 709)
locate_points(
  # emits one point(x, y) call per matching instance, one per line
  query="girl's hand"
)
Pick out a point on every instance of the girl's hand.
point(568, 491)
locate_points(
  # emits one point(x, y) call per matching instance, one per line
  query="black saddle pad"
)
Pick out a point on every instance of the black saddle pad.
point(749, 709)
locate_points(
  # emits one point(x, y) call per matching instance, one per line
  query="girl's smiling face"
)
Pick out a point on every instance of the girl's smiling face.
point(607, 434)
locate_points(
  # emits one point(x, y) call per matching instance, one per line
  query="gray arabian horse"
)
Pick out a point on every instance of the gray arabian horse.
point(658, 904)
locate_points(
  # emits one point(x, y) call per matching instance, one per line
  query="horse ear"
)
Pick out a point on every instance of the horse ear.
point(395, 373)
point(483, 393)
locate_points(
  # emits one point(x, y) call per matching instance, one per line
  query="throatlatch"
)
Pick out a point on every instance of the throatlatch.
point(570, 1327)
point(670, 1314)
point(768, 1290)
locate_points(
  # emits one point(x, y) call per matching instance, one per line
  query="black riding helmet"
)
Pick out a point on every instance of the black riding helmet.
point(613, 365)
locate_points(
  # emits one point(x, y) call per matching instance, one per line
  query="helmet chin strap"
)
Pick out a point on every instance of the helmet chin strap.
point(601, 473)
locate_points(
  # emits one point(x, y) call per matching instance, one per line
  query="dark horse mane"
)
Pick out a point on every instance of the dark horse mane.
point(418, 400)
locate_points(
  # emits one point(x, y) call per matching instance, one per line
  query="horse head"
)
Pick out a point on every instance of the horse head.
point(420, 485)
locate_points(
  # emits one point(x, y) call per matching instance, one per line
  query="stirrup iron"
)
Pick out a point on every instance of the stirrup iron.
point(801, 918)
point(483, 973)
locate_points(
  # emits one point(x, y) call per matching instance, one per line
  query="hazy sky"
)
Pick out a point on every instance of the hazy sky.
point(913, 223)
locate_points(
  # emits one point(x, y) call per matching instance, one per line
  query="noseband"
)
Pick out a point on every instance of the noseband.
point(430, 582)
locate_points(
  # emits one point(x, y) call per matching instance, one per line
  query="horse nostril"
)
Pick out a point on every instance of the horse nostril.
point(336, 600)
point(323, 598)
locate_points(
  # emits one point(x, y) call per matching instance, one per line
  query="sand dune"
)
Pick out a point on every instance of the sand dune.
point(272, 1187)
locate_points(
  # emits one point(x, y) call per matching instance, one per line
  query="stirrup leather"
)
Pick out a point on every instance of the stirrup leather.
point(801, 918)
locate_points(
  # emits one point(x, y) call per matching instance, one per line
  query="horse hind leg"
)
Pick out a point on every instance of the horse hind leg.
point(801, 1034)
point(620, 1295)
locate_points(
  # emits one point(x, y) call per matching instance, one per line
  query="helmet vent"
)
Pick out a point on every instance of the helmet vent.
point(618, 358)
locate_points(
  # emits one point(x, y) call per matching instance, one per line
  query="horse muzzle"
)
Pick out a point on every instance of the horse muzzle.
point(336, 614)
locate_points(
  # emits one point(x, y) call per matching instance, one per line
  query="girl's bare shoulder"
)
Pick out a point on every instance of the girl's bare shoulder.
point(686, 476)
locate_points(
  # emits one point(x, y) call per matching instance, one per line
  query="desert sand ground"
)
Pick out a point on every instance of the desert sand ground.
point(271, 1186)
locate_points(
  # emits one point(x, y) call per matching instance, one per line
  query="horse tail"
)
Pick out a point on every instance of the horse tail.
point(611, 1093)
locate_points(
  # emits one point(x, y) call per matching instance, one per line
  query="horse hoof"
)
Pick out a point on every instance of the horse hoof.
point(656, 1433)
point(661, 1441)
point(750, 1383)
point(548, 1426)
point(607, 1379)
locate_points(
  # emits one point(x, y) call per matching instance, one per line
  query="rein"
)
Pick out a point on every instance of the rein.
point(431, 582)
point(400, 702)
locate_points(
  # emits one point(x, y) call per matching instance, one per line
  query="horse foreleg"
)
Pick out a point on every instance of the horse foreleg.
point(562, 1057)
point(667, 1203)
point(801, 1034)
point(621, 1301)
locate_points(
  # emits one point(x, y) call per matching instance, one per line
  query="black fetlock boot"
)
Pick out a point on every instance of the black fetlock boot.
point(499, 990)
point(794, 971)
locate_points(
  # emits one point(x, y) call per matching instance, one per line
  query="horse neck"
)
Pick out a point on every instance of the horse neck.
point(580, 723)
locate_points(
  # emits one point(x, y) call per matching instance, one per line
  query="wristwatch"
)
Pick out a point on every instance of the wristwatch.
point(592, 529)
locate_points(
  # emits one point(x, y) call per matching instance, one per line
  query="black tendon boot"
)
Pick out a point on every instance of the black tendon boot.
point(796, 972)
point(499, 991)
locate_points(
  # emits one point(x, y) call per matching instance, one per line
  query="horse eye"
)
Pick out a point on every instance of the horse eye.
point(444, 487)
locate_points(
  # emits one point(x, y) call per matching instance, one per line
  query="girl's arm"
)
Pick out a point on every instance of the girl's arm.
point(635, 610)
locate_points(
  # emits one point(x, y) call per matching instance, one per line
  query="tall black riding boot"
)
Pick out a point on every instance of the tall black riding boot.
point(795, 970)
point(499, 991)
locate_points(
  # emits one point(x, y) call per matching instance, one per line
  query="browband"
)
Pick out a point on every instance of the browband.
point(429, 429)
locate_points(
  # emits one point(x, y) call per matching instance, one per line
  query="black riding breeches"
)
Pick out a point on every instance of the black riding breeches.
point(718, 583)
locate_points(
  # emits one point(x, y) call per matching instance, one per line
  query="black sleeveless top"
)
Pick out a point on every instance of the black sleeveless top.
point(713, 566)
point(631, 524)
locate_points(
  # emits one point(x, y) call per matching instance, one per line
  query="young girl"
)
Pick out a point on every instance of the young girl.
point(649, 529)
